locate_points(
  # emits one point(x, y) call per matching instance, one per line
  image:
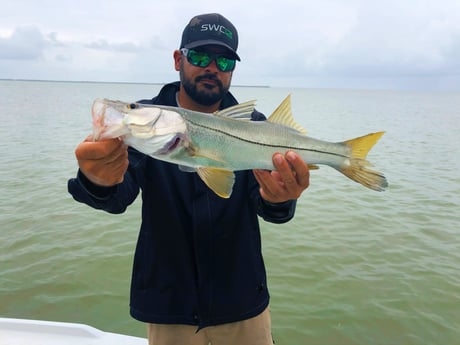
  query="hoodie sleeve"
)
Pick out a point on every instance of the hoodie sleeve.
point(277, 213)
point(113, 199)
point(274, 213)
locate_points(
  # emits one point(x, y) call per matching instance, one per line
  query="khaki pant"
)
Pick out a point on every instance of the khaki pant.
point(254, 331)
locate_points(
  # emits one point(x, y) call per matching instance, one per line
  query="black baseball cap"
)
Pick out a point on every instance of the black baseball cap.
point(211, 28)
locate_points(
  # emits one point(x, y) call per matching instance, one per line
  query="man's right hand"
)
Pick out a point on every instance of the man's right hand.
point(105, 162)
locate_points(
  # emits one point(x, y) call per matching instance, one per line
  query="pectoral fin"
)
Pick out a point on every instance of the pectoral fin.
point(220, 181)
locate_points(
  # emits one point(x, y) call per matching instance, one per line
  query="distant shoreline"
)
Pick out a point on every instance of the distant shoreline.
point(108, 82)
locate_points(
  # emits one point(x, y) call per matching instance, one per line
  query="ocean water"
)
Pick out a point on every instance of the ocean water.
point(354, 266)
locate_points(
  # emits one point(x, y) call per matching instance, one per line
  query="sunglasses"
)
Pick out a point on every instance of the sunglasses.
point(203, 59)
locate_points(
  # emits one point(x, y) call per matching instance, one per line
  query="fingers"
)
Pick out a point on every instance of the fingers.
point(104, 162)
point(298, 175)
point(89, 149)
point(267, 185)
point(289, 180)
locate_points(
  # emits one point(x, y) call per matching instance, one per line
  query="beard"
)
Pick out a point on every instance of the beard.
point(206, 95)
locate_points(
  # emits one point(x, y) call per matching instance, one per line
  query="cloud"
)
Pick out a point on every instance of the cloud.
point(385, 42)
point(25, 43)
point(361, 42)
point(54, 41)
point(302, 43)
point(30, 53)
point(63, 58)
point(124, 47)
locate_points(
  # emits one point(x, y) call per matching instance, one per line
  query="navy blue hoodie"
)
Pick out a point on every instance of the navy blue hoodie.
point(198, 258)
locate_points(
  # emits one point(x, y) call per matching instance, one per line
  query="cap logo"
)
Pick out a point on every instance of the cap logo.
point(217, 28)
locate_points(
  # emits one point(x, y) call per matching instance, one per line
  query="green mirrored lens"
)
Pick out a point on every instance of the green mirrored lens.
point(225, 64)
point(200, 59)
point(203, 59)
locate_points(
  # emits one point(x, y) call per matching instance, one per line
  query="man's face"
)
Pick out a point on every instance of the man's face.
point(205, 85)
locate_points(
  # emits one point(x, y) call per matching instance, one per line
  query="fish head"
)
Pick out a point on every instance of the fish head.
point(107, 119)
point(155, 130)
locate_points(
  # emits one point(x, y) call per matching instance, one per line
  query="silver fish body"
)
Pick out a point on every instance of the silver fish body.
point(215, 145)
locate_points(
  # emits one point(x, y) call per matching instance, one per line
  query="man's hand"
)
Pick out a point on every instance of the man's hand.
point(287, 182)
point(103, 162)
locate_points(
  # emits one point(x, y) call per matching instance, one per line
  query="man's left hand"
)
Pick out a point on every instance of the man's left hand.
point(287, 182)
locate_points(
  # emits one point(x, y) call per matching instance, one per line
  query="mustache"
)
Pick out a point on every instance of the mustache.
point(209, 76)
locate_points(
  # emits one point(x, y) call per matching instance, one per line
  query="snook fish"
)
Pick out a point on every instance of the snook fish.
point(215, 145)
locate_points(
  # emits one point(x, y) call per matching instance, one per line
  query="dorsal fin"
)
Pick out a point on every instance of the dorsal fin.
point(241, 111)
point(283, 116)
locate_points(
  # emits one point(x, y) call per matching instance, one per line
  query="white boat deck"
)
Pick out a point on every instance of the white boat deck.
point(34, 332)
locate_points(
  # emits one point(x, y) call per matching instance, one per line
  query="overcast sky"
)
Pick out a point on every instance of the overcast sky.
point(383, 44)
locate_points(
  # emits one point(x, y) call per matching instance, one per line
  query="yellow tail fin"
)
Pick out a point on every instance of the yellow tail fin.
point(357, 167)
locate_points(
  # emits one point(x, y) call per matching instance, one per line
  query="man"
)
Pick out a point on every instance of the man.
point(198, 274)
